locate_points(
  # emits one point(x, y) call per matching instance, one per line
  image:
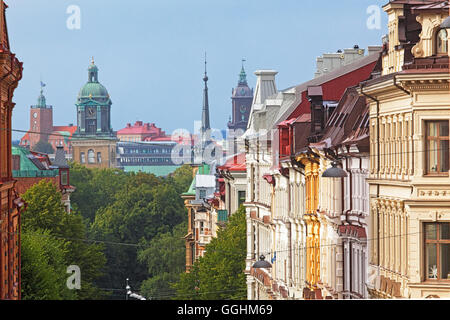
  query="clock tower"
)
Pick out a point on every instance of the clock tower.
point(94, 143)
point(41, 120)
point(242, 98)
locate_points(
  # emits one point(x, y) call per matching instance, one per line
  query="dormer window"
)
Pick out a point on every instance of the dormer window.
point(442, 42)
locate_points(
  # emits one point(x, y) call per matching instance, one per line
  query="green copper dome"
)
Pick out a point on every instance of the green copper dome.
point(93, 88)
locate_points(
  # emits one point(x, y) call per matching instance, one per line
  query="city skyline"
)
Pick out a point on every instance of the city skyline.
point(243, 31)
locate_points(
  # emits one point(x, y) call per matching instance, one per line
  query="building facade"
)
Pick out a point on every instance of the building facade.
point(94, 143)
point(292, 221)
point(11, 204)
point(409, 152)
point(202, 222)
point(29, 168)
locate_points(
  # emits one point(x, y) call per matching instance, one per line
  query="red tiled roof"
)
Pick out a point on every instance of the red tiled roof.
point(70, 129)
point(235, 164)
point(141, 128)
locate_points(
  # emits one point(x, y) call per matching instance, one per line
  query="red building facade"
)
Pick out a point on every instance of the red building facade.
point(10, 203)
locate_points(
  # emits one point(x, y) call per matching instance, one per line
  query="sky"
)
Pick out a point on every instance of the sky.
point(150, 53)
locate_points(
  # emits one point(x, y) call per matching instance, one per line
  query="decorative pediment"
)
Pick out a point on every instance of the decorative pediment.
point(430, 26)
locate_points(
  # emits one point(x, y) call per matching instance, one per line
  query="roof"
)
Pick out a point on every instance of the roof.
point(436, 5)
point(191, 191)
point(235, 164)
point(142, 128)
point(60, 158)
point(333, 84)
point(159, 171)
point(32, 164)
point(350, 111)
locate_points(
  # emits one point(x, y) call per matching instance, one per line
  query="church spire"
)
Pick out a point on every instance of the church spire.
point(243, 75)
point(205, 112)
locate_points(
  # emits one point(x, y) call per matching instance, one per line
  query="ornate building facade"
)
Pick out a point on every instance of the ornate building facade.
point(94, 143)
point(409, 152)
point(291, 219)
point(11, 204)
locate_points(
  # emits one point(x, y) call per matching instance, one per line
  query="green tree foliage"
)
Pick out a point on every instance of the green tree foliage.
point(219, 274)
point(43, 267)
point(96, 188)
point(43, 147)
point(165, 259)
point(46, 212)
point(127, 211)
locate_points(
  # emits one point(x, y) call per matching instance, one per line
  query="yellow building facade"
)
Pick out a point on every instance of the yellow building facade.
point(311, 218)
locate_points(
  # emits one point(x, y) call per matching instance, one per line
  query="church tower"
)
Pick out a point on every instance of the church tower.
point(41, 120)
point(94, 143)
point(242, 97)
point(94, 107)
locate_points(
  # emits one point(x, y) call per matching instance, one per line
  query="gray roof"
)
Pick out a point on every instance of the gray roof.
point(60, 158)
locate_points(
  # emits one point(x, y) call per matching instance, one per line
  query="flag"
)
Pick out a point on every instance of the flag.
point(43, 84)
point(274, 257)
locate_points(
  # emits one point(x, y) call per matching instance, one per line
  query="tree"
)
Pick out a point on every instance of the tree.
point(165, 258)
point(45, 212)
point(219, 274)
point(43, 269)
point(43, 147)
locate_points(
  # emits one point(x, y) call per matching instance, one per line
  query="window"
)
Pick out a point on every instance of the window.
point(82, 157)
point(442, 42)
point(16, 162)
point(437, 148)
point(241, 197)
point(437, 251)
point(91, 156)
point(64, 178)
point(202, 194)
point(99, 157)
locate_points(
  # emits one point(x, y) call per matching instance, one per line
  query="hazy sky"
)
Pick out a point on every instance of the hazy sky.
point(150, 52)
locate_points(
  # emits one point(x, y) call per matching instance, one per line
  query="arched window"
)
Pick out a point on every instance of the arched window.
point(442, 42)
point(91, 156)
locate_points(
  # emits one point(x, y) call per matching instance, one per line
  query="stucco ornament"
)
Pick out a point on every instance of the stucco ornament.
point(430, 25)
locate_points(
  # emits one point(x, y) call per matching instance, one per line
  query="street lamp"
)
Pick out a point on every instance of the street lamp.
point(262, 263)
point(128, 288)
point(334, 171)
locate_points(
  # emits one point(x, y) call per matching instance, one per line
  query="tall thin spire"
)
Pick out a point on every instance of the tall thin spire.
point(243, 75)
point(205, 112)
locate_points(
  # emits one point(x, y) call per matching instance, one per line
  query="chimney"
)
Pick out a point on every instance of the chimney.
point(265, 85)
point(374, 49)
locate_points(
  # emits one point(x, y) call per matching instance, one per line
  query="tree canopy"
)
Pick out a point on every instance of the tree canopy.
point(59, 239)
point(219, 274)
